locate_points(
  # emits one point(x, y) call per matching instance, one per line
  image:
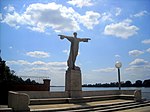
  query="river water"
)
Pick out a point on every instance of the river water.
point(145, 91)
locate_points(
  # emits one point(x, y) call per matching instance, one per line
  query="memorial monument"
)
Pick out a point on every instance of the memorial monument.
point(73, 83)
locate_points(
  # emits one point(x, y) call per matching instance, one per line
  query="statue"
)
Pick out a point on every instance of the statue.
point(73, 48)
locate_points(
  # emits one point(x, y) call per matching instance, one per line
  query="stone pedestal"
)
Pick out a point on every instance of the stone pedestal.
point(73, 83)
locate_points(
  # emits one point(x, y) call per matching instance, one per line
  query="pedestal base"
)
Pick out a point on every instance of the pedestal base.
point(73, 83)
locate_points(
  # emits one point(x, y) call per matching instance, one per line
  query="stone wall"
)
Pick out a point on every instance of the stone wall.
point(64, 94)
point(45, 94)
point(22, 87)
point(20, 100)
point(32, 87)
point(107, 92)
point(100, 93)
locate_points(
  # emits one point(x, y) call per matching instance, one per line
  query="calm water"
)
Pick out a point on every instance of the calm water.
point(145, 91)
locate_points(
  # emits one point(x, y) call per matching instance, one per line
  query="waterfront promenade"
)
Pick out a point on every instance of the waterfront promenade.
point(118, 105)
point(100, 106)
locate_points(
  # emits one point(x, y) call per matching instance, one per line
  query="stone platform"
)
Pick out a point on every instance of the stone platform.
point(20, 101)
point(94, 103)
point(45, 101)
point(93, 106)
point(118, 105)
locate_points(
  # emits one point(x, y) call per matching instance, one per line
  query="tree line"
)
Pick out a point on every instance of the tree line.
point(7, 76)
point(138, 83)
point(8, 80)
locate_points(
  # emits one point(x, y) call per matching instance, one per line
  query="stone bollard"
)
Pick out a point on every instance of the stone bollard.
point(18, 101)
point(137, 96)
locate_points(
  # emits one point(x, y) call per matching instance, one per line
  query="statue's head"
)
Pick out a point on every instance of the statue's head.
point(75, 34)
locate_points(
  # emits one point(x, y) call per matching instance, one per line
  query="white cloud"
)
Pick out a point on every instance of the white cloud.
point(118, 11)
point(105, 70)
point(148, 50)
point(122, 29)
point(38, 63)
point(139, 68)
point(18, 62)
point(140, 14)
point(40, 69)
point(90, 19)
point(38, 54)
point(54, 70)
point(147, 41)
point(135, 52)
point(106, 16)
point(80, 3)
point(12, 20)
point(9, 8)
point(139, 62)
point(41, 17)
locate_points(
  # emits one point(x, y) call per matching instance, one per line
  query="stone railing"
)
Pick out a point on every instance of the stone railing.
point(45, 94)
point(18, 101)
point(64, 94)
point(32, 87)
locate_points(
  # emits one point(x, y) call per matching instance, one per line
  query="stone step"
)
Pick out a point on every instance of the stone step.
point(93, 98)
point(119, 108)
point(48, 101)
point(79, 106)
point(114, 107)
point(6, 110)
point(101, 107)
point(77, 100)
point(100, 98)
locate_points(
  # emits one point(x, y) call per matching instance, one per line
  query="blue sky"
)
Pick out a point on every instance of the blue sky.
point(119, 31)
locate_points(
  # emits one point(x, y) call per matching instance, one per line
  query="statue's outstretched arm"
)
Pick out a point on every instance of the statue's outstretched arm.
point(67, 37)
point(84, 39)
point(62, 36)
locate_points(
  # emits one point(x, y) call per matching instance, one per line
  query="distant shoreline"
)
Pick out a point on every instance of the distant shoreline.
point(138, 83)
point(57, 86)
point(115, 86)
point(98, 86)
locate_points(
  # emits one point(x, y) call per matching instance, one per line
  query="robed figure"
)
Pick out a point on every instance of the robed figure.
point(73, 48)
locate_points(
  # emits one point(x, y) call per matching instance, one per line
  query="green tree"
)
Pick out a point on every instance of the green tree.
point(138, 83)
point(146, 83)
point(7, 75)
point(128, 84)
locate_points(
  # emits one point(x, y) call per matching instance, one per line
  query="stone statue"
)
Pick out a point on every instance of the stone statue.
point(73, 48)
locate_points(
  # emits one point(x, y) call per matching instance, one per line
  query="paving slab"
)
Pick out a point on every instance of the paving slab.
point(140, 109)
point(75, 105)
